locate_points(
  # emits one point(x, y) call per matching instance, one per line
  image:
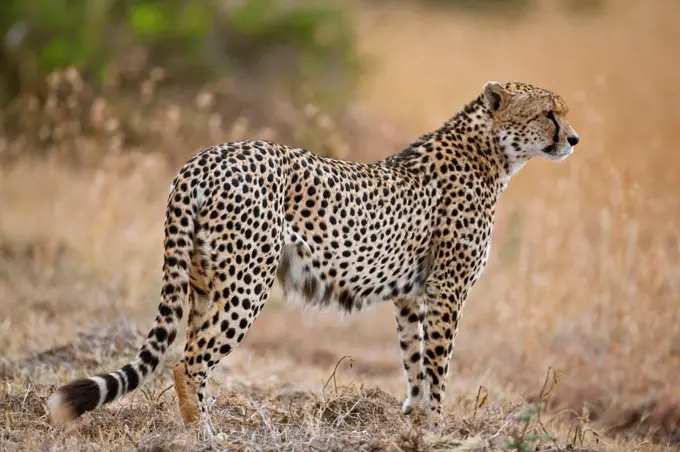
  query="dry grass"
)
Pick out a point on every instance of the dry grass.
point(281, 391)
point(584, 276)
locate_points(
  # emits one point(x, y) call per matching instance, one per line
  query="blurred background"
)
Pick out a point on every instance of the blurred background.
point(102, 101)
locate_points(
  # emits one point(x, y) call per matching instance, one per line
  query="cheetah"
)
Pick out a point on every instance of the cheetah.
point(413, 229)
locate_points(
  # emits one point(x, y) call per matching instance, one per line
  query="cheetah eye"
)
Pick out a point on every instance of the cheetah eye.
point(549, 114)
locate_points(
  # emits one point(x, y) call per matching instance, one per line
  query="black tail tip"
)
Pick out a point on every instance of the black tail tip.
point(72, 400)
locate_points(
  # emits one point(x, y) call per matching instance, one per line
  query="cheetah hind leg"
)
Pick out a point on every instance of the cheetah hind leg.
point(192, 406)
point(236, 302)
point(187, 394)
point(185, 387)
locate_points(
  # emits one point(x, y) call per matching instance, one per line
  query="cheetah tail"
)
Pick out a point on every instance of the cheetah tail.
point(85, 394)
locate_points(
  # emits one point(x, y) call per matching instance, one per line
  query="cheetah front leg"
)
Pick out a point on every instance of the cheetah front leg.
point(410, 314)
point(441, 325)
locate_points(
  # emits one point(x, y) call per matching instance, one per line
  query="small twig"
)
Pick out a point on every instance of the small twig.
point(498, 433)
point(544, 392)
point(524, 430)
point(164, 391)
point(341, 419)
point(128, 435)
point(146, 392)
point(577, 434)
point(28, 391)
point(479, 404)
point(332, 377)
point(263, 415)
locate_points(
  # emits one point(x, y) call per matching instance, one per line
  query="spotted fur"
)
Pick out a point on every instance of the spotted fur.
point(414, 229)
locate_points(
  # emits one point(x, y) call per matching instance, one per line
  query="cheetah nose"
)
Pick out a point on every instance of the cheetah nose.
point(573, 140)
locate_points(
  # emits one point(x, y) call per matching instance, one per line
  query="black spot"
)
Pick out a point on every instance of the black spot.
point(111, 387)
point(346, 300)
point(148, 358)
point(161, 334)
point(131, 376)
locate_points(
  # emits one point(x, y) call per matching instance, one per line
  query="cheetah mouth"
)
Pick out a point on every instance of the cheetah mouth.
point(553, 153)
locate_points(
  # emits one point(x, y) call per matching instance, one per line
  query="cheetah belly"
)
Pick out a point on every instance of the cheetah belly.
point(351, 280)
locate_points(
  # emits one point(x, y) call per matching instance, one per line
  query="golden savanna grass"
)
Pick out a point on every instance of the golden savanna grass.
point(583, 280)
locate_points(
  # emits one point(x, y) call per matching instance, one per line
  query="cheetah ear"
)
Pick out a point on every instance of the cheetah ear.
point(495, 95)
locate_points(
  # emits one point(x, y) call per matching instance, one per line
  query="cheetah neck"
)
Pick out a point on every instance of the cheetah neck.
point(467, 143)
point(470, 135)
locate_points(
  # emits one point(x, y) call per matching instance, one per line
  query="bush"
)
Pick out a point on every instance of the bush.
point(515, 7)
point(259, 61)
point(117, 42)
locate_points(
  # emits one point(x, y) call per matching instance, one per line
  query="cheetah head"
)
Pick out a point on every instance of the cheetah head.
point(529, 121)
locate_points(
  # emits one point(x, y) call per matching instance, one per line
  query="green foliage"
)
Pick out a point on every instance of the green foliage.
point(519, 6)
point(521, 440)
point(584, 6)
point(488, 4)
point(530, 432)
point(195, 41)
point(320, 34)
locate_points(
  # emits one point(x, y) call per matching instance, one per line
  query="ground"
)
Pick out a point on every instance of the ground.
point(280, 391)
point(583, 277)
